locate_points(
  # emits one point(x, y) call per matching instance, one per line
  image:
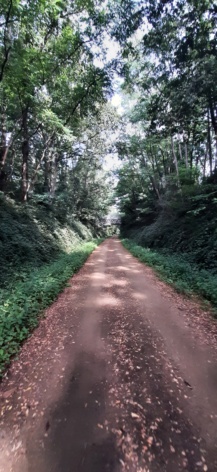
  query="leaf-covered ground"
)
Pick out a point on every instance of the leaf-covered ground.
point(119, 376)
point(21, 306)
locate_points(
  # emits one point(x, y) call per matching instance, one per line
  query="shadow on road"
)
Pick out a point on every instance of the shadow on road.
point(77, 439)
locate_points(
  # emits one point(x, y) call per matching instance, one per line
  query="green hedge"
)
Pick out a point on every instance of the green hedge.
point(175, 270)
point(20, 308)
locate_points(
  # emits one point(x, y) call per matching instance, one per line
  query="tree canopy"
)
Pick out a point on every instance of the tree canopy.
point(55, 83)
point(168, 144)
point(56, 80)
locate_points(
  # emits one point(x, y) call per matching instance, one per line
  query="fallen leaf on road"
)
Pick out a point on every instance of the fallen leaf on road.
point(8, 394)
point(150, 440)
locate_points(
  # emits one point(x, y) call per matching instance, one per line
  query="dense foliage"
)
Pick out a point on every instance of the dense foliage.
point(167, 183)
point(54, 85)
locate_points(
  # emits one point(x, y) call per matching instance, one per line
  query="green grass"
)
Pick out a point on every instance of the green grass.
point(22, 305)
point(178, 272)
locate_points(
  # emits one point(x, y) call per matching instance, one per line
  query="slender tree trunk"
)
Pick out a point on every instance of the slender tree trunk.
point(25, 156)
point(203, 163)
point(6, 43)
point(186, 155)
point(180, 151)
point(175, 160)
point(215, 137)
point(53, 176)
point(5, 146)
point(164, 162)
point(47, 172)
point(3, 152)
point(214, 125)
point(153, 181)
point(209, 141)
point(11, 165)
point(152, 177)
point(192, 146)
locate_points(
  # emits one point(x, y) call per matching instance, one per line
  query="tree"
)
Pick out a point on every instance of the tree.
point(49, 84)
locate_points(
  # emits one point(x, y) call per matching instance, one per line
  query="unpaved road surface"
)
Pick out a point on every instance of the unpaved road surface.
point(121, 375)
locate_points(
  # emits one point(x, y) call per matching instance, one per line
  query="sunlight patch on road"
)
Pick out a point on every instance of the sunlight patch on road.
point(139, 296)
point(108, 300)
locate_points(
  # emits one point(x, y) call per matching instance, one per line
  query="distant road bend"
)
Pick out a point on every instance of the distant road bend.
point(118, 377)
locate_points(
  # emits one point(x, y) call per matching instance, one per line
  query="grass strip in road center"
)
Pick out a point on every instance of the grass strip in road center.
point(182, 275)
point(21, 307)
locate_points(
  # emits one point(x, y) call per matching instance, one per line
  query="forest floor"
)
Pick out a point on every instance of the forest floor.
point(121, 375)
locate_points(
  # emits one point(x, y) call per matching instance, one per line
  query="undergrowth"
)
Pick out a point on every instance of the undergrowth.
point(31, 236)
point(21, 306)
point(175, 270)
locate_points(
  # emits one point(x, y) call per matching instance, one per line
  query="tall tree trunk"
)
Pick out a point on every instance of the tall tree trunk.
point(25, 156)
point(203, 163)
point(209, 141)
point(47, 172)
point(164, 162)
point(192, 146)
point(186, 154)
point(175, 160)
point(3, 151)
point(214, 125)
point(6, 42)
point(53, 176)
point(13, 155)
point(155, 187)
point(180, 151)
point(152, 177)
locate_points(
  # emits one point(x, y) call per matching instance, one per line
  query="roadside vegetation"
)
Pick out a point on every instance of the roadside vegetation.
point(39, 253)
point(167, 181)
point(22, 305)
point(174, 269)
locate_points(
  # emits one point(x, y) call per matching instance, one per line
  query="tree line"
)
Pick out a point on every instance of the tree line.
point(56, 122)
point(169, 146)
point(55, 118)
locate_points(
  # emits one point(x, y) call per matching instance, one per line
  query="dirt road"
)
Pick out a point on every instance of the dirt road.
point(120, 376)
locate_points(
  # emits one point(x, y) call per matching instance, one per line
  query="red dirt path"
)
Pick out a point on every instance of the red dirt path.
point(121, 375)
